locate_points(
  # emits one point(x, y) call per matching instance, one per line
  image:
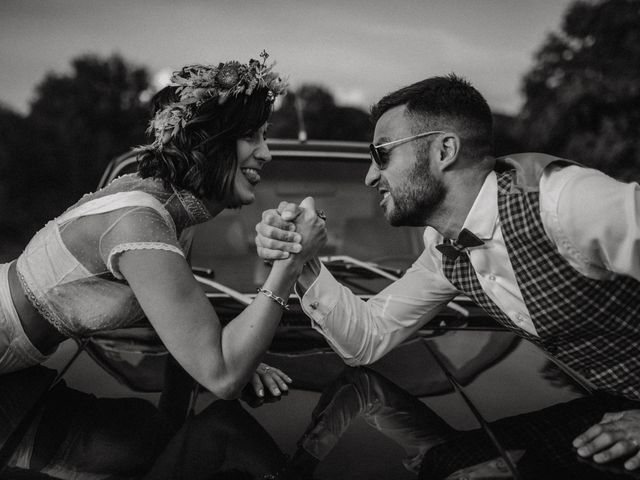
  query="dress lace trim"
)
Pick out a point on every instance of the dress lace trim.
point(119, 249)
point(42, 309)
point(196, 210)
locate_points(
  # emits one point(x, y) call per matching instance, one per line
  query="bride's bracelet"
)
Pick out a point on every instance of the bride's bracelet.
point(279, 300)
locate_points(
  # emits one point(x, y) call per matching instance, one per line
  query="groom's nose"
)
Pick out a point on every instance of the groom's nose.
point(373, 176)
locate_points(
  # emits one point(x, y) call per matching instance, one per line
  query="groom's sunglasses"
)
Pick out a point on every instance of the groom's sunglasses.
point(380, 153)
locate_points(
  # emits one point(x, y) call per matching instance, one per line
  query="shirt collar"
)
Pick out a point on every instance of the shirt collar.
point(483, 216)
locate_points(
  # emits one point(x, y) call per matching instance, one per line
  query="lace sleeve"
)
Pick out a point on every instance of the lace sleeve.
point(140, 228)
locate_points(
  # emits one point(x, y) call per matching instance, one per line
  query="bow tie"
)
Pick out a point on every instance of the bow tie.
point(453, 250)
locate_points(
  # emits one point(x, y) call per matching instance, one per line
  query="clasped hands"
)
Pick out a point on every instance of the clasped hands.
point(291, 229)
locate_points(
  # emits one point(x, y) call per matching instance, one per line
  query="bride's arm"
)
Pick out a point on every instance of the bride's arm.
point(221, 359)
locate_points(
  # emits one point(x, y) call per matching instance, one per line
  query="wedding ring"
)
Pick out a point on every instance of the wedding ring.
point(321, 214)
point(266, 369)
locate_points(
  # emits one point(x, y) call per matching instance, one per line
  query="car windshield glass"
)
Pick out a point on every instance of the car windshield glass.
point(355, 221)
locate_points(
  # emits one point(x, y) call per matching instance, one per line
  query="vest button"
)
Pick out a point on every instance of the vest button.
point(314, 305)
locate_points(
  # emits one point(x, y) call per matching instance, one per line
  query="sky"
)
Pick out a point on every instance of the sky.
point(359, 49)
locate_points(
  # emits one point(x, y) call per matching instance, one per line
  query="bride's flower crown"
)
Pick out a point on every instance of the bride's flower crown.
point(198, 84)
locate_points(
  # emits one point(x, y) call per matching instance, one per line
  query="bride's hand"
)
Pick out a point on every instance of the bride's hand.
point(276, 238)
point(281, 231)
point(270, 378)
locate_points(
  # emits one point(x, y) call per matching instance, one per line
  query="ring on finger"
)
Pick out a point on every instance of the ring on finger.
point(321, 214)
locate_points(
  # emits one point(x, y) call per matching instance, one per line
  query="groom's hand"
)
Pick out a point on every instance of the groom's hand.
point(312, 227)
point(276, 236)
point(617, 436)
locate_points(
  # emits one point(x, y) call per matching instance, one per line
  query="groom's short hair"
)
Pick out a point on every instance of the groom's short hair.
point(441, 103)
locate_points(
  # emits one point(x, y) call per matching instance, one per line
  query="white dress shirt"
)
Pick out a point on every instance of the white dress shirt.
point(593, 220)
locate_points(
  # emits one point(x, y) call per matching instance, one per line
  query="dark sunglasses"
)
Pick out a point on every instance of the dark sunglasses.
point(378, 153)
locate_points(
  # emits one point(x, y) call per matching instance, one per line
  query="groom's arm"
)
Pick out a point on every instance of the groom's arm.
point(360, 332)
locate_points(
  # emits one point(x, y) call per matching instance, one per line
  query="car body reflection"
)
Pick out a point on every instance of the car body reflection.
point(399, 418)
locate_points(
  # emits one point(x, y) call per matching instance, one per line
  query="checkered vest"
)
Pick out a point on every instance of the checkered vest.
point(593, 326)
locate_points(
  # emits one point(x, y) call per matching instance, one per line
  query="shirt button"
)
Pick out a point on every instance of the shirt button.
point(314, 305)
point(492, 278)
point(520, 318)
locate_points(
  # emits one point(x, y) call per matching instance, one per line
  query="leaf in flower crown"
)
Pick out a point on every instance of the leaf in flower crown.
point(253, 83)
point(198, 93)
point(223, 97)
point(165, 137)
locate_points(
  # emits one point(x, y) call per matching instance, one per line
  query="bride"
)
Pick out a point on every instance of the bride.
point(114, 256)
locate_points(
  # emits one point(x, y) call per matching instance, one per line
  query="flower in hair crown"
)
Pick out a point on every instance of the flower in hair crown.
point(197, 84)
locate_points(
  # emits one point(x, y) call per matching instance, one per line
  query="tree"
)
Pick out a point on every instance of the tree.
point(14, 209)
point(77, 123)
point(583, 93)
point(81, 121)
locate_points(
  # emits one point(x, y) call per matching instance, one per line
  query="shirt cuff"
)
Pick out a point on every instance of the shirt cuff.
point(321, 296)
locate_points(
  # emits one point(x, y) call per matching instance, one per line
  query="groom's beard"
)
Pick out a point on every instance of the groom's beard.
point(417, 199)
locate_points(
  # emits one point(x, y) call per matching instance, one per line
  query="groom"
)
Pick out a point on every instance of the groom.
point(548, 248)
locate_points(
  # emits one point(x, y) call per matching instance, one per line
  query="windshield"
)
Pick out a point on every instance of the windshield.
point(355, 222)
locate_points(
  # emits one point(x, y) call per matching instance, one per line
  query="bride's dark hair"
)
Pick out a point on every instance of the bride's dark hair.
point(201, 156)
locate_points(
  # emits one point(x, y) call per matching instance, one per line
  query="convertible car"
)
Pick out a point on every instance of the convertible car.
point(463, 398)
